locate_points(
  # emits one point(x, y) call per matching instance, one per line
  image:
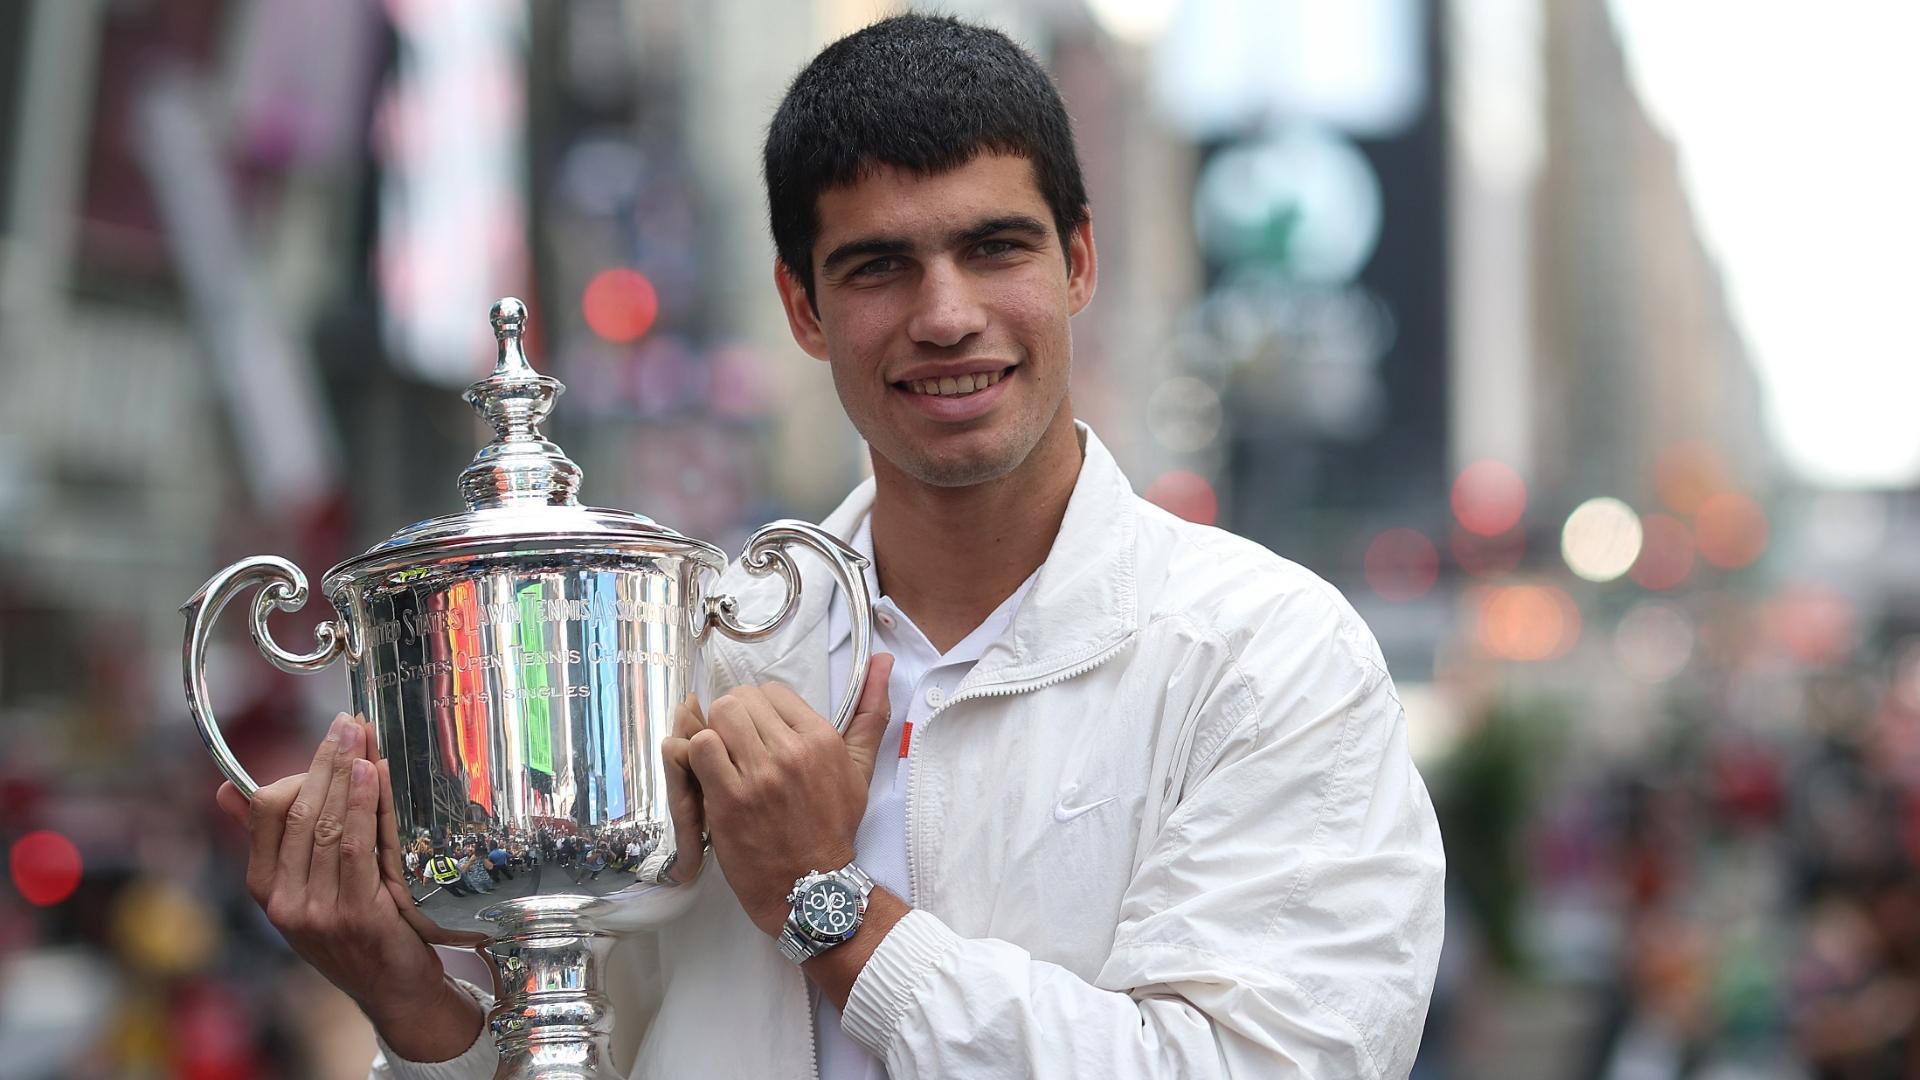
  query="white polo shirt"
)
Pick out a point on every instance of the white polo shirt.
point(922, 681)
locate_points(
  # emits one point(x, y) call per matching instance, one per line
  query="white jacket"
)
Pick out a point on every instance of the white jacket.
point(1260, 898)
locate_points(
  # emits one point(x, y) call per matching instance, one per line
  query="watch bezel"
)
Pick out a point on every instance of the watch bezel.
point(849, 877)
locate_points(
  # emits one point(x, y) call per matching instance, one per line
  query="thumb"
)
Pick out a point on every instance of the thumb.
point(869, 721)
point(231, 802)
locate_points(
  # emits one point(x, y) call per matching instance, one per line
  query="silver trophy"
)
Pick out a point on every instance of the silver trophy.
point(520, 663)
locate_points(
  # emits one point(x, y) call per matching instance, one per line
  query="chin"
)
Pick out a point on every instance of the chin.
point(957, 471)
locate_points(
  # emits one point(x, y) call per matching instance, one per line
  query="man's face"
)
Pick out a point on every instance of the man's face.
point(943, 307)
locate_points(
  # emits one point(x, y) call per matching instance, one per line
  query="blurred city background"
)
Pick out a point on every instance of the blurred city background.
point(1566, 337)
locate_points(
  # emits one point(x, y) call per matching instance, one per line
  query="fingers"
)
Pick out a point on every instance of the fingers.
point(359, 872)
point(387, 825)
point(776, 718)
point(329, 826)
point(266, 816)
point(731, 719)
point(231, 802)
point(687, 717)
point(795, 714)
point(683, 802)
point(677, 754)
point(708, 760)
point(296, 841)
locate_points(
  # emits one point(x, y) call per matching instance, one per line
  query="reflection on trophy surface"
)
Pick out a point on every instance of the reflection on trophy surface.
point(521, 661)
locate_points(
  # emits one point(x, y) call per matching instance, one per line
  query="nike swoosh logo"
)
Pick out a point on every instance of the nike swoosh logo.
point(1063, 813)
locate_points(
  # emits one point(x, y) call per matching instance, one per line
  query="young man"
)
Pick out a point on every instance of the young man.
point(1125, 796)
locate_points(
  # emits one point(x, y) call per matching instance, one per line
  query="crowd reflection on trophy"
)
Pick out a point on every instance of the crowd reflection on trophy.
point(520, 662)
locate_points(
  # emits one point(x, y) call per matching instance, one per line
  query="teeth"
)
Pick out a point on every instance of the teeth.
point(953, 385)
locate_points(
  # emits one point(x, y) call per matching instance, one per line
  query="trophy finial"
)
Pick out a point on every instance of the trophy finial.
point(519, 465)
point(509, 318)
point(509, 314)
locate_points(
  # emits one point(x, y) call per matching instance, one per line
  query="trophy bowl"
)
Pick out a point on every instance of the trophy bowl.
point(520, 663)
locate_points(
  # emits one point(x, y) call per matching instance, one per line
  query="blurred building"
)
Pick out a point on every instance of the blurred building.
point(1595, 351)
point(1638, 351)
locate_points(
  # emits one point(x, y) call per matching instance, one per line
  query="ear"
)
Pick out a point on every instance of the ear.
point(1083, 271)
point(801, 318)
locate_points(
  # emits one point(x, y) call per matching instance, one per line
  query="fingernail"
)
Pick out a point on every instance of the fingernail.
point(337, 729)
point(350, 737)
point(362, 771)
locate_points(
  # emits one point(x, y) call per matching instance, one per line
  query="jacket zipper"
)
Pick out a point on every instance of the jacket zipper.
point(813, 1022)
point(996, 690)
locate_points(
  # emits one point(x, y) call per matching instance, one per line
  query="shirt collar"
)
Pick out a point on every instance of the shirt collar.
point(1082, 601)
point(968, 650)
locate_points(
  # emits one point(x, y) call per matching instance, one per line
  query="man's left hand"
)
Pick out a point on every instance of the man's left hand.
point(783, 792)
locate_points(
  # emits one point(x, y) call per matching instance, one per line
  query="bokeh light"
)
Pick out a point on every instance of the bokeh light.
point(1601, 539)
point(1527, 622)
point(45, 867)
point(1184, 414)
point(1488, 498)
point(1653, 641)
point(1402, 564)
point(161, 928)
point(1731, 530)
point(1666, 553)
point(620, 304)
point(1488, 556)
point(1812, 623)
point(1187, 494)
point(1687, 474)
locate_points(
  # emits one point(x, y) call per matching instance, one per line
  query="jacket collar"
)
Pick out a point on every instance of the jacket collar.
point(1084, 601)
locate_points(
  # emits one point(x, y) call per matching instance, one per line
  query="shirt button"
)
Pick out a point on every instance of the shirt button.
point(936, 697)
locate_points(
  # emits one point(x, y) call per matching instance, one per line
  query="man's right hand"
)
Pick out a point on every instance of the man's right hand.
point(319, 868)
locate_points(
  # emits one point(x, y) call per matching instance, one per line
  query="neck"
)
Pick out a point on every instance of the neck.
point(949, 556)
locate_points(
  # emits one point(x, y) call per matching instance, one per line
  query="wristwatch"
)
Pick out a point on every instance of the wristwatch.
point(826, 910)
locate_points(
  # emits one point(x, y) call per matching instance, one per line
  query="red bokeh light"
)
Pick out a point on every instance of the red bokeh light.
point(1187, 494)
point(620, 304)
point(1731, 530)
point(1402, 564)
point(1489, 498)
point(1687, 474)
point(1528, 622)
point(1488, 556)
point(1666, 552)
point(1812, 623)
point(45, 867)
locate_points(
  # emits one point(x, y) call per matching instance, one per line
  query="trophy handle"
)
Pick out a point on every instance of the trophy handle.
point(766, 554)
point(282, 587)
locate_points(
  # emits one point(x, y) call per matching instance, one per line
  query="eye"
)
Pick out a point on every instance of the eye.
point(994, 248)
point(876, 267)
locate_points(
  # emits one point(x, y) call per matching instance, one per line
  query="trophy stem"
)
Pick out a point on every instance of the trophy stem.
point(552, 1019)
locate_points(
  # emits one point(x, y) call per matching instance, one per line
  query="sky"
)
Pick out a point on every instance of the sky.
point(1795, 126)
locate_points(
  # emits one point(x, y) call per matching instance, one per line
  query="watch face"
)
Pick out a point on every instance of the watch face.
point(829, 909)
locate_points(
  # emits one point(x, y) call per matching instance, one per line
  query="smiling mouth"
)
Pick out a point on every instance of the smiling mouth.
point(954, 385)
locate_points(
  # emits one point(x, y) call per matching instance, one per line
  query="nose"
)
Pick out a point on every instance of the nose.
point(946, 310)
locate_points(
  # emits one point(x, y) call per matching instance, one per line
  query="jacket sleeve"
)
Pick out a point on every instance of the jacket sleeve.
point(1285, 922)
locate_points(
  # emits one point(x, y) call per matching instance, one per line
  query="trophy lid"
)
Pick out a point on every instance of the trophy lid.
point(520, 484)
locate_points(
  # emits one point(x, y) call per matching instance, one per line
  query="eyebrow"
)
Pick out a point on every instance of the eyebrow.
point(1024, 224)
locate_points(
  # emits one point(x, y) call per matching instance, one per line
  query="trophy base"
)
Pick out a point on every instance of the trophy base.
point(552, 1017)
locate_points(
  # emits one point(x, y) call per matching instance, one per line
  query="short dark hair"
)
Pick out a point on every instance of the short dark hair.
point(926, 93)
